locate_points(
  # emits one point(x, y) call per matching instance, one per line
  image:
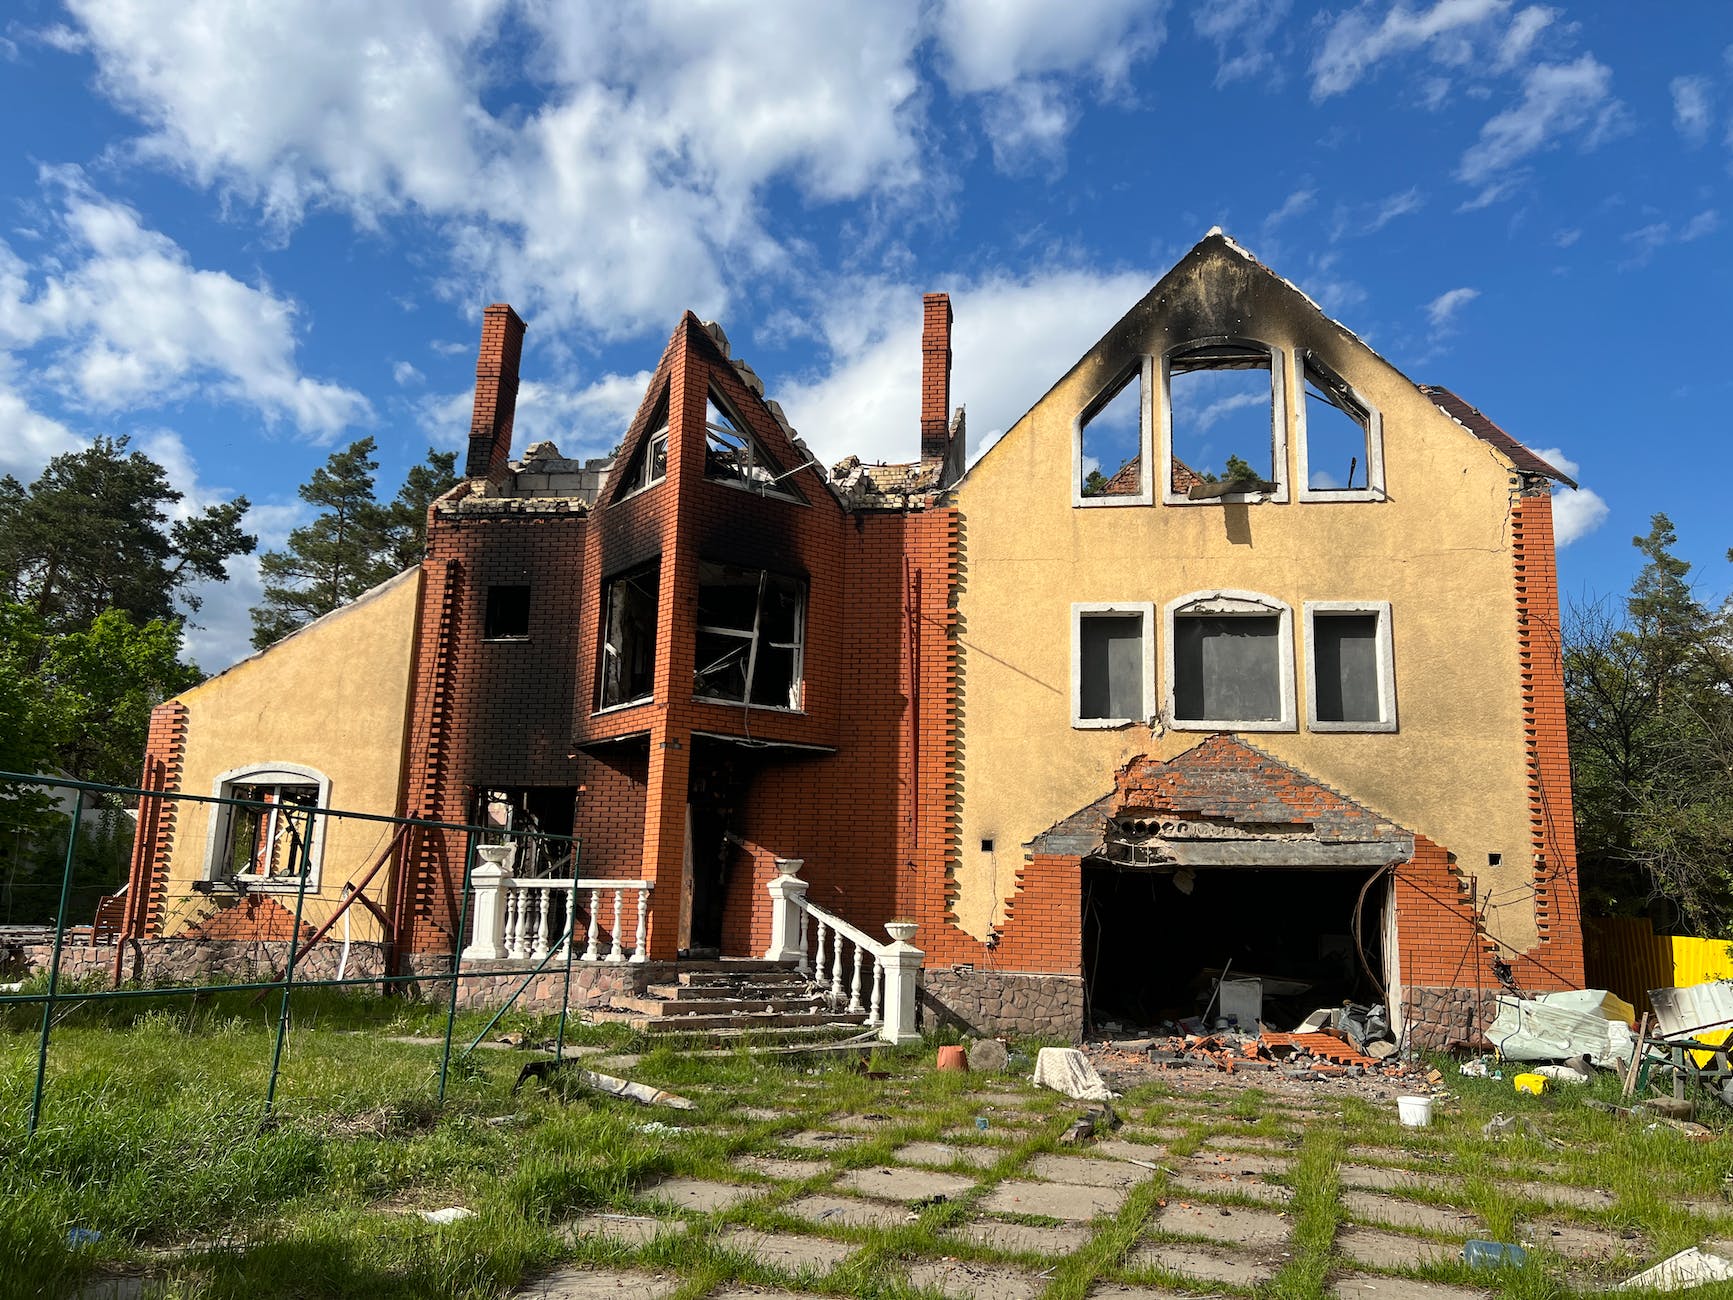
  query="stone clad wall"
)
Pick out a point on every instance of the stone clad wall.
point(995, 1003)
point(1439, 1018)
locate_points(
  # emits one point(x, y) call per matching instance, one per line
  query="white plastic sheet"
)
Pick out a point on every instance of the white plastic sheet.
point(1554, 1026)
point(1067, 1070)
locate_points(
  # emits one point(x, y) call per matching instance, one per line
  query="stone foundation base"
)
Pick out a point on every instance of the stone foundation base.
point(487, 984)
point(1003, 1003)
point(1437, 1019)
point(202, 961)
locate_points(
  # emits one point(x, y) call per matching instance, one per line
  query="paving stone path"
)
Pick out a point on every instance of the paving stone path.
point(995, 1212)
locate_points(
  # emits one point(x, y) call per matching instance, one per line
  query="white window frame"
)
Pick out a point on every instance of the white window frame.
point(658, 434)
point(222, 817)
point(1143, 372)
point(1080, 610)
point(1228, 603)
point(1374, 489)
point(1280, 360)
point(753, 639)
point(1386, 665)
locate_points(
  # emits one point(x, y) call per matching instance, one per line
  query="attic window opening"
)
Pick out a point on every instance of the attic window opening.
point(751, 634)
point(1223, 428)
point(508, 614)
point(1341, 443)
point(733, 456)
point(1112, 457)
point(649, 463)
point(629, 639)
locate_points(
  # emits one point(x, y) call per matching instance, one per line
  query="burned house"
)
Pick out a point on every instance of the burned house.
point(1237, 651)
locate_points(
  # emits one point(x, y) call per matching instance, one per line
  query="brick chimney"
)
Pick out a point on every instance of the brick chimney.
point(496, 367)
point(935, 376)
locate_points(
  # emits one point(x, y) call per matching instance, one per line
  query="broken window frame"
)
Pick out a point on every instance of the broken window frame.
point(1141, 372)
point(1384, 647)
point(289, 831)
point(1083, 610)
point(1341, 394)
point(492, 613)
point(1222, 603)
point(505, 812)
point(649, 464)
point(754, 639)
point(756, 470)
point(1278, 363)
point(610, 679)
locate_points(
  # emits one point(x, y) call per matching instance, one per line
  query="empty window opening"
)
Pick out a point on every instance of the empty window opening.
point(629, 638)
point(1287, 932)
point(508, 614)
point(986, 846)
point(649, 464)
point(1221, 415)
point(1110, 668)
point(751, 626)
point(1349, 656)
point(1338, 427)
point(1495, 859)
point(733, 455)
point(1230, 662)
point(538, 819)
point(1111, 441)
point(273, 840)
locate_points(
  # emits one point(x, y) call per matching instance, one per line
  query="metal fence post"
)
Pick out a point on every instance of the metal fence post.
point(288, 980)
point(54, 970)
point(456, 960)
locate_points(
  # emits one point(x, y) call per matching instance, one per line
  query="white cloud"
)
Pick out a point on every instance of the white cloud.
point(1691, 107)
point(1647, 240)
point(1014, 337)
point(1520, 36)
point(1370, 218)
point(1576, 512)
point(32, 439)
point(584, 420)
point(1557, 99)
point(1296, 204)
point(1366, 35)
point(126, 319)
point(1441, 311)
point(1027, 124)
point(404, 374)
point(1243, 32)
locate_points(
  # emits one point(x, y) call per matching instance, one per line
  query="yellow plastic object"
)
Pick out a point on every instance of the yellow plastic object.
point(1530, 1083)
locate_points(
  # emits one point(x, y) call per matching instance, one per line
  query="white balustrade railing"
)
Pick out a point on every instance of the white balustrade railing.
point(525, 920)
point(843, 961)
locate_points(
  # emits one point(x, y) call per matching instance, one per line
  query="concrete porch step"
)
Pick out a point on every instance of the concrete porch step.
point(657, 1006)
point(730, 978)
point(753, 986)
point(700, 1024)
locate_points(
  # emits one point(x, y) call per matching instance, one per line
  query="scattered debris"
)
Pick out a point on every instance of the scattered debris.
point(1533, 1084)
point(1591, 1023)
point(953, 1058)
point(1479, 1253)
point(1414, 1112)
point(1502, 1125)
point(657, 1126)
point(1067, 1070)
point(545, 1071)
point(1095, 1120)
point(76, 1237)
point(1689, 1268)
point(989, 1056)
point(451, 1214)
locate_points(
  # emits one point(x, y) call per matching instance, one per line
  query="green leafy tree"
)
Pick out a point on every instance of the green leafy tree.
point(95, 532)
point(424, 483)
point(1095, 484)
point(25, 741)
point(345, 551)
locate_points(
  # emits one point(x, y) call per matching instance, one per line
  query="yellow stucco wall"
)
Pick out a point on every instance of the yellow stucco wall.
point(1437, 549)
point(333, 697)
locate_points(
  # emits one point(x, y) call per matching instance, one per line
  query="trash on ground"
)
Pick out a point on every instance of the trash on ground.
point(1067, 1070)
point(1533, 1084)
point(639, 1092)
point(1482, 1067)
point(451, 1214)
point(1414, 1112)
point(1690, 1267)
point(1098, 1119)
point(657, 1126)
point(76, 1237)
point(953, 1058)
point(1479, 1253)
point(1590, 1023)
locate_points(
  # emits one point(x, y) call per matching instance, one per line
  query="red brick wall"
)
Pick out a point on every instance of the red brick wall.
point(147, 878)
point(251, 919)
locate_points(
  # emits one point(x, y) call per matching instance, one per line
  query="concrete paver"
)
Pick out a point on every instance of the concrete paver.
point(1054, 1200)
point(1375, 1249)
point(1088, 1172)
point(1383, 1177)
point(944, 1153)
point(1581, 1198)
point(820, 1139)
point(786, 1250)
point(1575, 1241)
point(955, 1277)
point(1401, 1288)
point(1119, 1291)
point(698, 1194)
point(902, 1183)
point(627, 1229)
point(1250, 1186)
point(1203, 1264)
point(582, 1283)
point(1125, 1149)
point(778, 1167)
point(848, 1211)
point(1209, 1161)
point(874, 1122)
point(1023, 1238)
point(1373, 1207)
point(1230, 1224)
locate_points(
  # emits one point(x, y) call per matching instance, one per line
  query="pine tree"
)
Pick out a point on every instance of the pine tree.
point(345, 551)
point(425, 482)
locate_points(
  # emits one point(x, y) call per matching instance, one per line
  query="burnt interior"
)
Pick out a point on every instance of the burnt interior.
point(1152, 953)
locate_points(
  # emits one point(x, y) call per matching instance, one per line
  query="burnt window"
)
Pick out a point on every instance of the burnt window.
point(538, 819)
point(733, 455)
point(1222, 421)
point(508, 614)
point(272, 838)
point(1112, 664)
point(649, 463)
point(1349, 659)
point(751, 630)
point(629, 638)
point(1230, 662)
point(1111, 459)
point(1341, 443)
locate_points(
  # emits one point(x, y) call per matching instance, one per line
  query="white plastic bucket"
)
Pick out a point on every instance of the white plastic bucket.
point(1414, 1112)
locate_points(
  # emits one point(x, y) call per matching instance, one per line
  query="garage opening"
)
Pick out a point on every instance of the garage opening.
point(1155, 942)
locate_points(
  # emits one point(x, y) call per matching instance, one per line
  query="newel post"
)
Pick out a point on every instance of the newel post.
point(488, 883)
point(787, 893)
point(902, 964)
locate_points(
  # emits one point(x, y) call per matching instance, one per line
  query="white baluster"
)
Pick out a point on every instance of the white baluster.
point(616, 953)
point(854, 985)
point(544, 905)
point(874, 1013)
point(836, 972)
point(638, 953)
point(592, 952)
point(818, 962)
point(801, 965)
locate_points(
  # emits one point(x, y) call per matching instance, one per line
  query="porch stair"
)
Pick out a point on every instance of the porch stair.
point(738, 995)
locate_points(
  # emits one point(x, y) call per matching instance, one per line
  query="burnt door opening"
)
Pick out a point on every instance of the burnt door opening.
point(713, 798)
point(527, 814)
point(1153, 952)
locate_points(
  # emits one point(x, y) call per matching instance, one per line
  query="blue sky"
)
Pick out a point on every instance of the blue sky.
point(247, 234)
